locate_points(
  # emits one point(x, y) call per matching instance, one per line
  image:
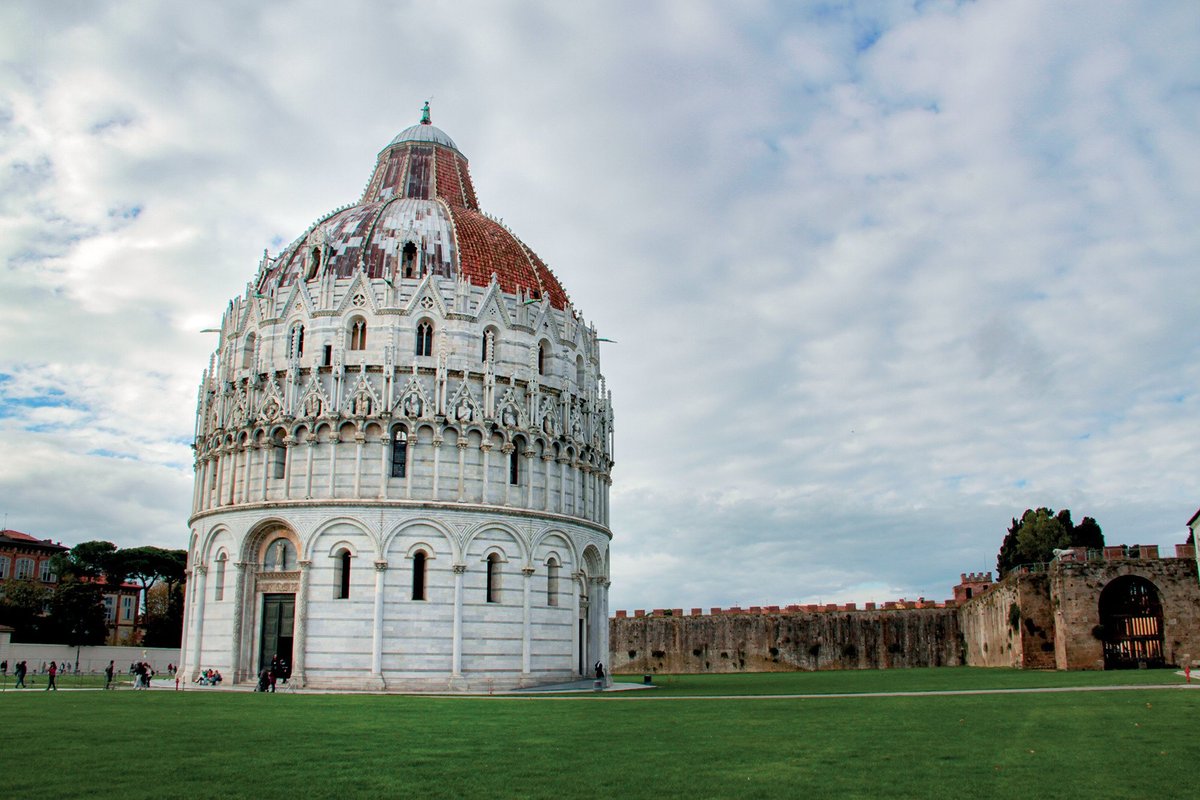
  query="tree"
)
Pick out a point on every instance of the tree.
point(1034, 538)
point(94, 561)
point(163, 622)
point(23, 607)
point(77, 613)
point(148, 565)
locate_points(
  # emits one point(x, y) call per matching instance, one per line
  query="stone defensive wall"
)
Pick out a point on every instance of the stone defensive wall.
point(773, 639)
point(1049, 616)
point(1040, 616)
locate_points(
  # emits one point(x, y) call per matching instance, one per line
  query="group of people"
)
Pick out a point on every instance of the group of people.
point(278, 671)
point(142, 673)
point(209, 677)
point(19, 671)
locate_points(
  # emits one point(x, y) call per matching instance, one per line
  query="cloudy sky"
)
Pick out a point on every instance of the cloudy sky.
point(881, 276)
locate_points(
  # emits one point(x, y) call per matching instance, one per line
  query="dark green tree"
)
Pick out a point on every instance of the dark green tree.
point(1034, 538)
point(23, 608)
point(77, 613)
point(93, 561)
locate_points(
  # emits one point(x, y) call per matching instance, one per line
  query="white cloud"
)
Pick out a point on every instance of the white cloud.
point(882, 277)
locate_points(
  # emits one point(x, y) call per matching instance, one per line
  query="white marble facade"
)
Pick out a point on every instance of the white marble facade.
point(402, 470)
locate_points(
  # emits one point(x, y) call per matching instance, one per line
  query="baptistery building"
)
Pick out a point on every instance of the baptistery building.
point(403, 451)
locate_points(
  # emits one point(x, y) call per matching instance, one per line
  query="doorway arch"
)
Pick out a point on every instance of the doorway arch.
point(1132, 618)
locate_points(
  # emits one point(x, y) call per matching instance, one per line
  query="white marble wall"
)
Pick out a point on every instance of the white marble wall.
point(384, 639)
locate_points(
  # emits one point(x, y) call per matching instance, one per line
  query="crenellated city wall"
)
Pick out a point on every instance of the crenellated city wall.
point(1042, 616)
point(795, 638)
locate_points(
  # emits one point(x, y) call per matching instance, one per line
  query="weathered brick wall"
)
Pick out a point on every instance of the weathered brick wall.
point(1076, 587)
point(784, 642)
point(1012, 625)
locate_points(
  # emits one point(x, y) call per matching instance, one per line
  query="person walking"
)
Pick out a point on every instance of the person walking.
point(51, 673)
point(19, 671)
point(108, 675)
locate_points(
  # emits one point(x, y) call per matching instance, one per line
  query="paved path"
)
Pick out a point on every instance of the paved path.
point(930, 693)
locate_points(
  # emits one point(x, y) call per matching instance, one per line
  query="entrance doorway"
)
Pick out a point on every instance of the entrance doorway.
point(278, 624)
point(1131, 615)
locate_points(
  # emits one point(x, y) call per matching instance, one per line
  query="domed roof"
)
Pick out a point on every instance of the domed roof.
point(423, 132)
point(418, 215)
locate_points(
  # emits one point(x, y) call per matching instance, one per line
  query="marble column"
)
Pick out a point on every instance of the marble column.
point(486, 447)
point(529, 454)
point(239, 611)
point(360, 439)
point(385, 466)
point(300, 624)
point(600, 603)
point(217, 485)
point(333, 448)
point(310, 448)
point(507, 450)
point(577, 579)
point(547, 460)
point(246, 473)
point(456, 645)
point(288, 442)
point(527, 622)
point(199, 575)
point(562, 485)
point(462, 466)
point(437, 451)
point(377, 627)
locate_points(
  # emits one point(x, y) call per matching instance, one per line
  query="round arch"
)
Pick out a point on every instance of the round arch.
point(1131, 617)
point(440, 527)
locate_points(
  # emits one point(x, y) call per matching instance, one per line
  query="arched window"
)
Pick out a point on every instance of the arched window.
point(514, 466)
point(296, 341)
point(579, 373)
point(408, 261)
point(358, 334)
point(425, 339)
point(343, 574)
point(418, 576)
point(279, 462)
point(400, 454)
point(541, 358)
point(280, 555)
point(4, 562)
point(552, 582)
point(248, 350)
point(493, 578)
point(490, 337)
point(220, 577)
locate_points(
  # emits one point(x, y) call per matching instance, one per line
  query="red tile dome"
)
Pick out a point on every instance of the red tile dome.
point(419, 214)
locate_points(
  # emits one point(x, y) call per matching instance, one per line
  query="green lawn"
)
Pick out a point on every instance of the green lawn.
point(898, 680)
point(72, 681)
point(1137, 743)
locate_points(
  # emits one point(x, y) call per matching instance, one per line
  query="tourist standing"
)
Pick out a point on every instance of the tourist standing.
point(108, 675)
point(19, 671)
point(51, 673)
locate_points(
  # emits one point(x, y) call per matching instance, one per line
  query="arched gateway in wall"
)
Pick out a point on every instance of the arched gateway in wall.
point(1131, 616)
point(403, 450)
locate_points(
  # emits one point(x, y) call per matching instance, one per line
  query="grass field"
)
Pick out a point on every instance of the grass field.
point(1136, 743)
